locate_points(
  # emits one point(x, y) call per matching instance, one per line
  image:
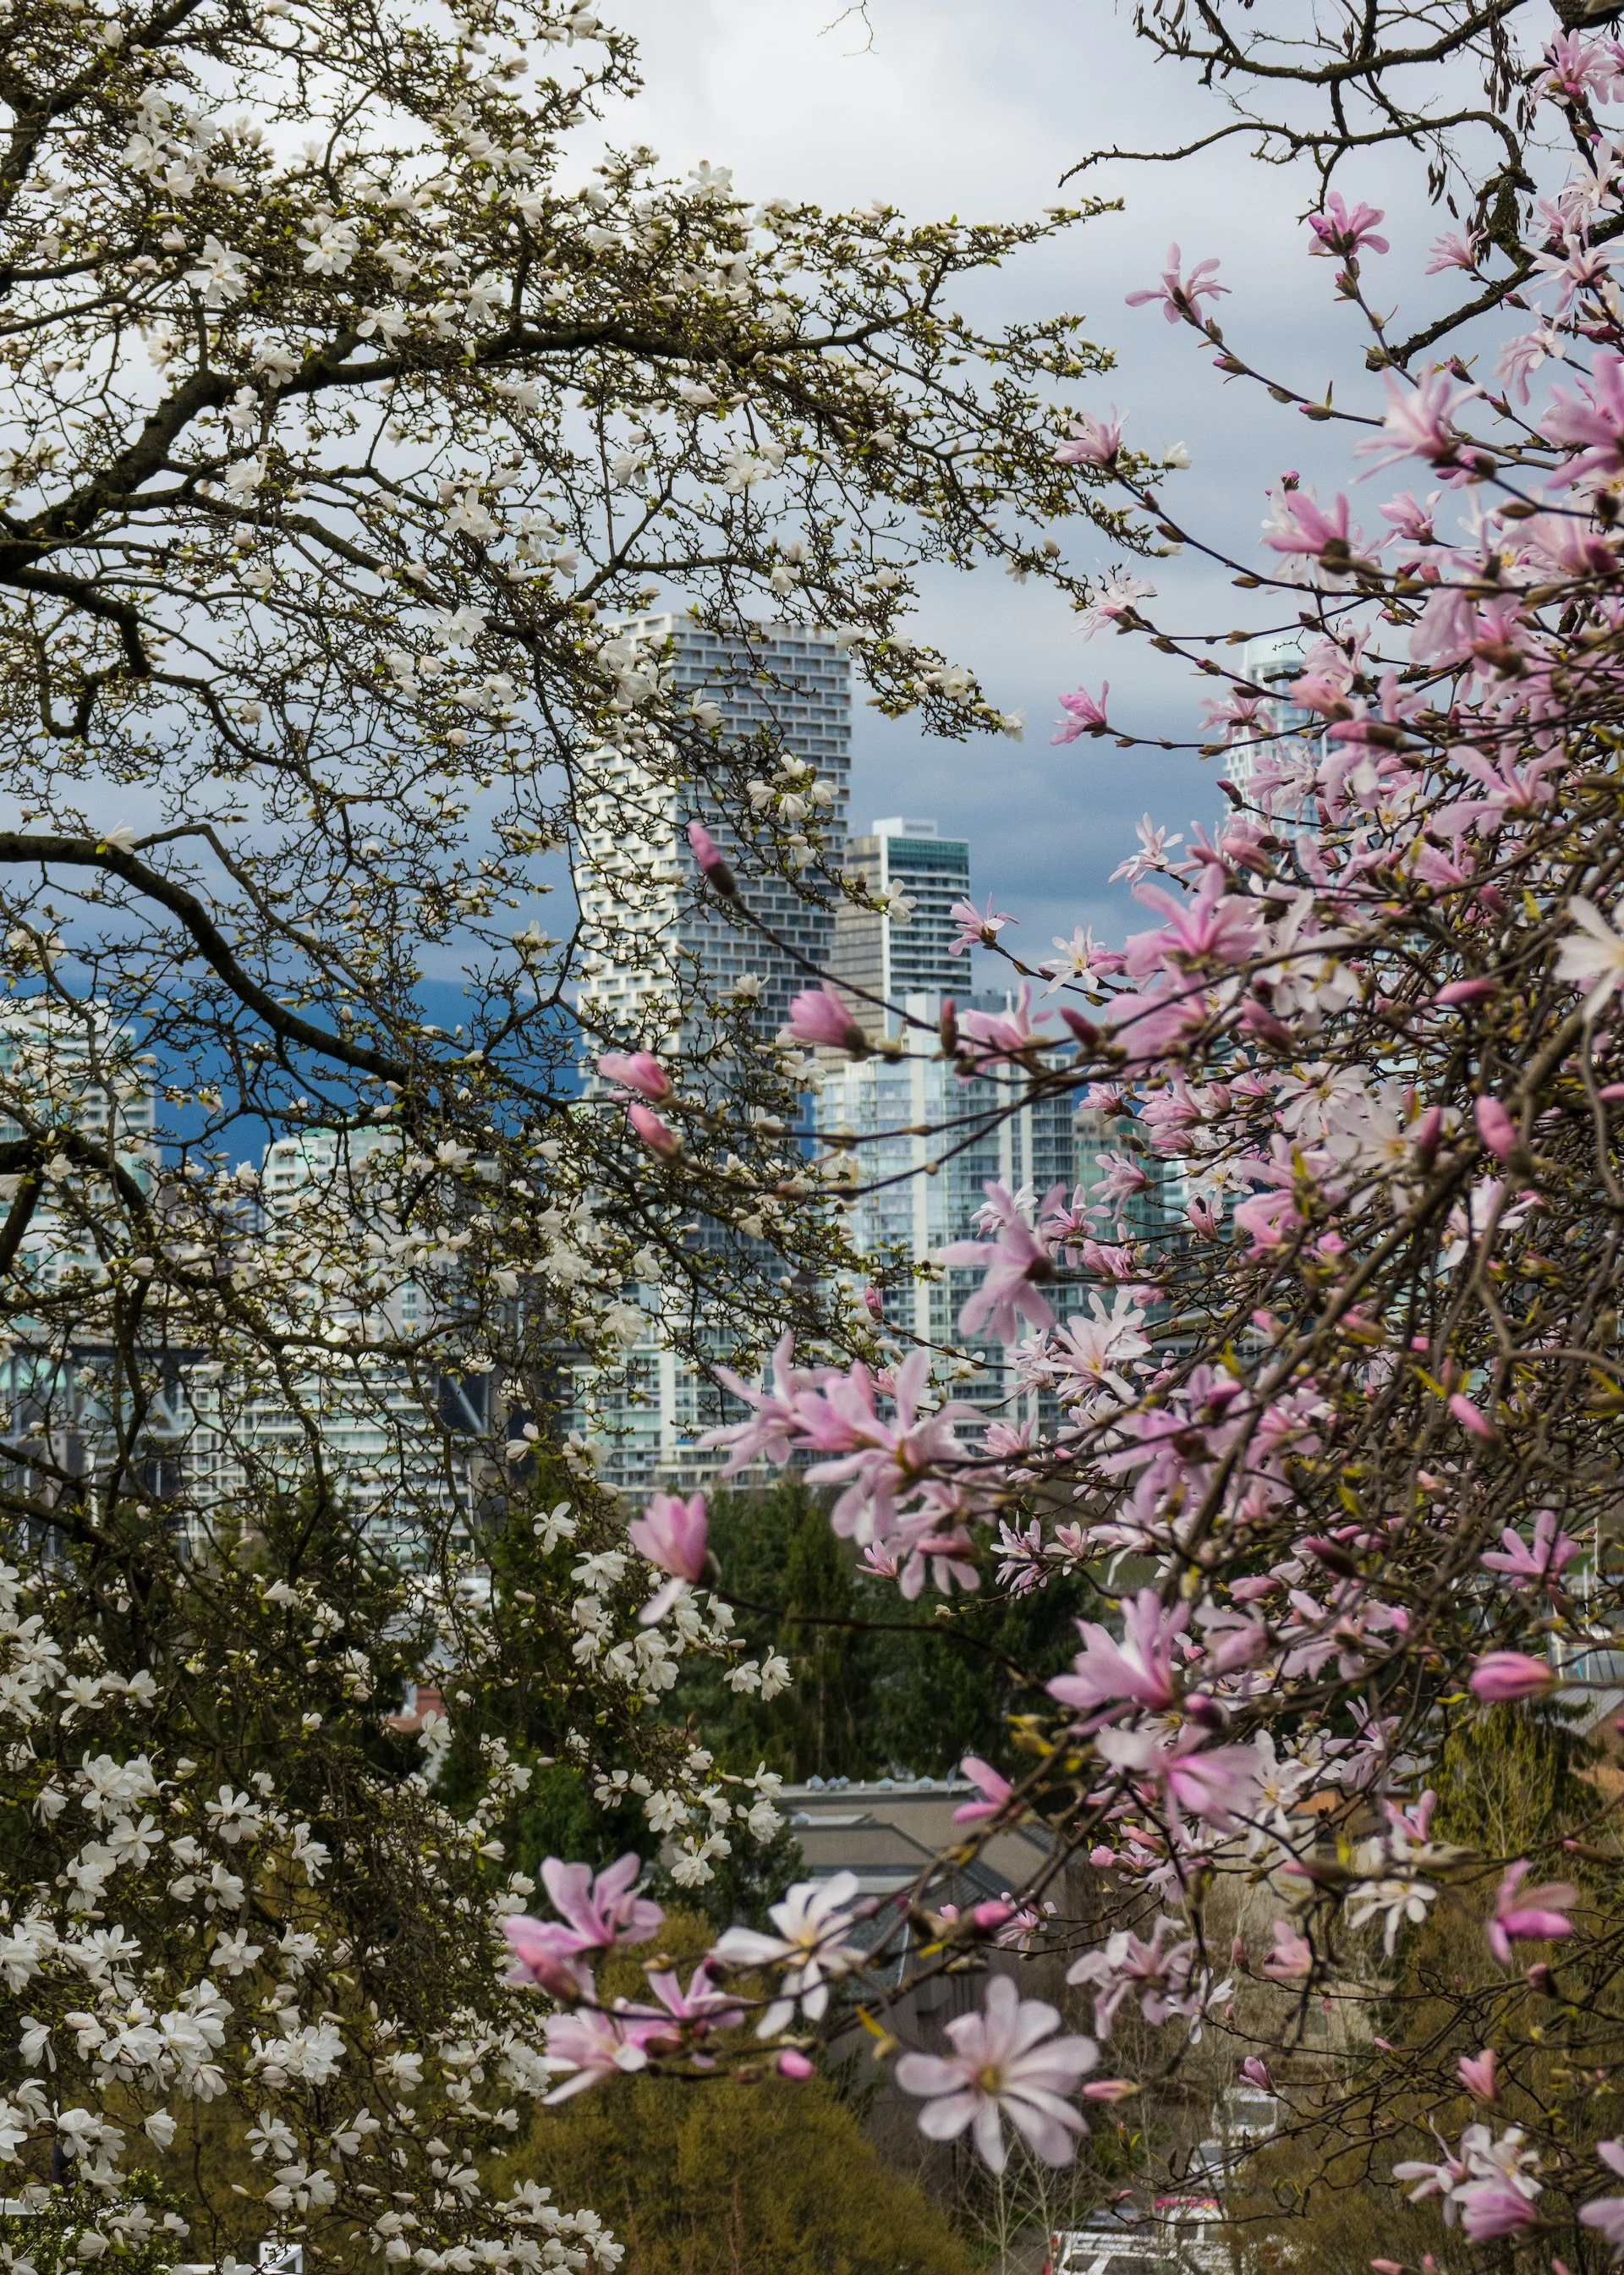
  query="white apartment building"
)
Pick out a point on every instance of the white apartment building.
point(636, 874)
point(928, 1144)
point(791, 689)
point(885, 953)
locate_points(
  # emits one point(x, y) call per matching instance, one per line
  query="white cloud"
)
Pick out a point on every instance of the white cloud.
point(957, 108)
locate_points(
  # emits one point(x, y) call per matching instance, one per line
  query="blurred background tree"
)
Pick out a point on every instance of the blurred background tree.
point(880, 1688)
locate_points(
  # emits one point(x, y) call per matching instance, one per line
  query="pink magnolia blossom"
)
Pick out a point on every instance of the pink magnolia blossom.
point(1491, 2208)
point(597, 1915)
point(1092, 442)
point(1180, 296)
point(811, 1921)
point(1476, 2074)
point(1218, 1783)
point(1522, 356)
point(1590, 423)
point(1256, 2072)
point(1005, 2063)
point(1577, 267)
point(1538, 1914)
point(1154, 846)
point(1139, 1671)
point(658, 1136)
point(1418, 421)
point(1325, 691)
point(941, 1550)
point(1244, 716)
point(1344, 230)
point(1509, 789)
point(1495, 1126)
point(1156, 1022)
point(1160, 1974)
point(1451, 251)
point(1211, 925)
point(1503, 1676)
point(1259, 1022)
point(1004, 1035)
point(592, 2046)
point(1267, 1219)
point(692, 2014)
point(994, 1791)
point(1292, 1959)
point(640, 1071)
point(1305, 527)
point(673, 1534)
point(1411, 518)
point(881, 1460)
point(1472, 1418)
point(1568, 547)
point(1439, 2180)
point(771, 1430)
point(1536, 1563)
point(1085, 715)
point(605, 1911)
point(1607, 2212)
point(1579, 68)
point(1087, 1355)
point(547, 1954)
point(817, 1015)
point(977, 927)
point(705, 852)
point(1014, 1264)
point(1079, 957)
point(1112, 603)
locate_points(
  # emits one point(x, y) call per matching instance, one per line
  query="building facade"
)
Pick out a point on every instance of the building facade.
point(928, 1144)
point(400, 1437)
point(880, 954)
point(1272, 662)
point(220, 1433)
point(648, 930)
point(784, 696)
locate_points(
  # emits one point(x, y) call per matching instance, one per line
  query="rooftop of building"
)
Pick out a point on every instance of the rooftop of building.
point(888, 1830)
point(895, 825)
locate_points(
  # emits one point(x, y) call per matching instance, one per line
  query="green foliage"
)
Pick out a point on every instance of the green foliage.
point(559, 1817)
point(879, 1686)
point(47, 2236)
point(766, 2179)
point(1511, 1780)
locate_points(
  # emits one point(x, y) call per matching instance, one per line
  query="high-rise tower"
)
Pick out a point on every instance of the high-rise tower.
point(1272, 662)
point(902, 950)
point(649, 936)
point(637, 871)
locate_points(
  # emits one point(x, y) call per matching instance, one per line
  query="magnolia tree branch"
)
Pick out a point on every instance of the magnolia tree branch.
point(1320, 1368)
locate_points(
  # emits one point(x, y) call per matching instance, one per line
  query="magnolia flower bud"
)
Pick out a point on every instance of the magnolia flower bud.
point(717, 873)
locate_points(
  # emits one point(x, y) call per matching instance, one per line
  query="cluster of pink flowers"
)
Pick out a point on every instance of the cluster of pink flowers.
point(1362, 1059)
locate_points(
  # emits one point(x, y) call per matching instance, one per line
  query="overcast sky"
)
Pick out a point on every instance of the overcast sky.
point(958, 108)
